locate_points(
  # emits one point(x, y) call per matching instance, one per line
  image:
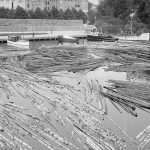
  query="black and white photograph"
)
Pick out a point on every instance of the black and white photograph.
point(74, 74)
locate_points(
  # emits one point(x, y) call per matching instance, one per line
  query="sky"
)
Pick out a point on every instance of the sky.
point(94, 1)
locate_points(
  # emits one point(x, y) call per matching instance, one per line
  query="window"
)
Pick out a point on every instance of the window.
point(12, 5)
point(28, 5)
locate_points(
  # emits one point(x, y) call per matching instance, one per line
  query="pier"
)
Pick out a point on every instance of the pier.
point(39, 37)
point(40, 30)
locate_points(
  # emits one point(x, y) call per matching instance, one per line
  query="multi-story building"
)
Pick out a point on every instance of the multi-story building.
point(26, 4)
point(64, 4)
point(33, 4)
point(12, 4)
point(45, 4)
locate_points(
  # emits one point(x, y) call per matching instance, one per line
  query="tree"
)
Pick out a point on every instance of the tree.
point(81, 15)
point(20, 13)
point(115, 10)
point(55, 13)
point(124, 21)
point(61, 14)
point(75, 12)
point(45, 14)
point(91, 14)
point(120, 7)
point(135, 3)
point(138, 26)
point(50, 15)
point(10, 13)
point(91, 17)
point(38, 14)
point(104, 9)
point(3, 12)
point(143, 13)
point(69, 15)
point(31, 14)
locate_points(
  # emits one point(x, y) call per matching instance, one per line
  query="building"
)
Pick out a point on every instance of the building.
point(45, 4)
point(33, 4)
point(64, 4)
point(12, 4)
point(26, 4)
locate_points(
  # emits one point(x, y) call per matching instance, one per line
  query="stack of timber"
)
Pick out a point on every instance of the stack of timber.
point(129, 55)
point(54, 59)
point(128, 95)
point(38, 112)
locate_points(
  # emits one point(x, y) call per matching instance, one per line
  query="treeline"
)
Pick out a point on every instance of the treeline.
point(120, 16)
point(20, 13)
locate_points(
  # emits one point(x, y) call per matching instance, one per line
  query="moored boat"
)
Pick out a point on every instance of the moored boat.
point(17, 41)
point(100, 37)
point(67, 39)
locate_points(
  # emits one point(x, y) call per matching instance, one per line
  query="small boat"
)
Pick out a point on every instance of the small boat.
point(17, 41)
point(67, 39)
point(100, 37)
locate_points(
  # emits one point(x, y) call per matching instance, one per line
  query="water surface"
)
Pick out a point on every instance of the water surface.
point(131, 125)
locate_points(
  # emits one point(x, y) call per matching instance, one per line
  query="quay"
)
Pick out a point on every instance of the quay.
point(40, 36)
point(40, 29)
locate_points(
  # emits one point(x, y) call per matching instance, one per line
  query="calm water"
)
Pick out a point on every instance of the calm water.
point(131, 125)
point(32, 45)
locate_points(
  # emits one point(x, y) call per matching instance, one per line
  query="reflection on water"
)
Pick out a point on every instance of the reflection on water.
point(103, 76)
point(32, 45)
point(37, 44)
point(132, 125)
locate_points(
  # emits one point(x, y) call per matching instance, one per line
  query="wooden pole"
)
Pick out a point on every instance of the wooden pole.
point(149, 33)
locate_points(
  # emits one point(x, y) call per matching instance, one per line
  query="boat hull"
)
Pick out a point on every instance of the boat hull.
point(18, 43)
point(69, 40)
point(101, 38)
point(62, 39)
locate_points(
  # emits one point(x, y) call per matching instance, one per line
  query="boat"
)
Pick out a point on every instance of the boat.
point(67, 39)
point(101, 37)
point(17, 41)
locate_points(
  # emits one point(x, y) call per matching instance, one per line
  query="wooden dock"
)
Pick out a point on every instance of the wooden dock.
point(44, 37)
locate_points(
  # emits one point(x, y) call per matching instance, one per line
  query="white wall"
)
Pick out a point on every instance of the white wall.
point(12, 3)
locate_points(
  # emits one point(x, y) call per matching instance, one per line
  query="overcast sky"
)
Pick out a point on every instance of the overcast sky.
point(94, 1)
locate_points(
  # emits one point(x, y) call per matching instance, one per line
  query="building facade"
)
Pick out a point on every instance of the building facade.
point(45, 4)
point(33, 4)
point(64, 4)
point(26, 4)
point(12, 4)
